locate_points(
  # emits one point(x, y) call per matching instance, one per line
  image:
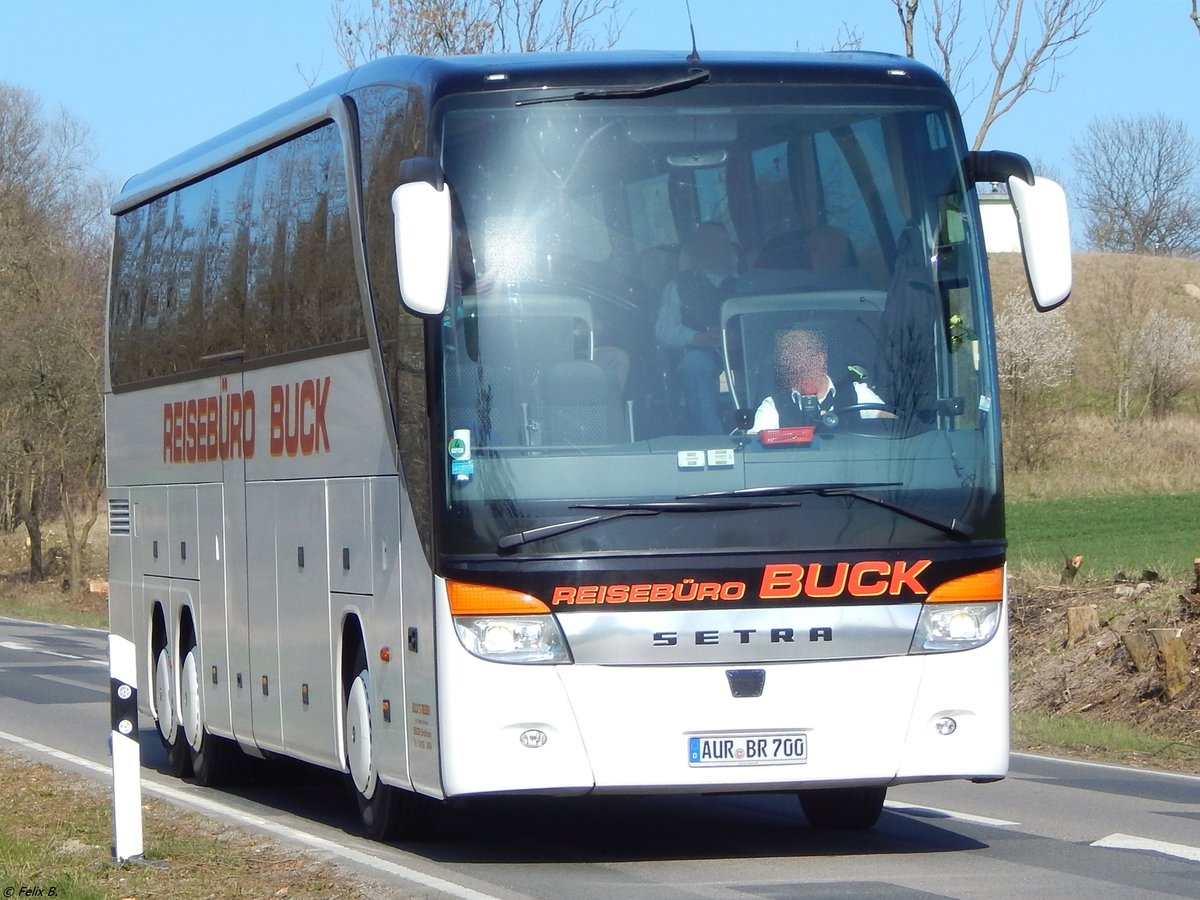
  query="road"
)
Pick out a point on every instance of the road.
point(1054, 828)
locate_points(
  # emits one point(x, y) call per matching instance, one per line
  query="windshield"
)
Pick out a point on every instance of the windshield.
point(717, 290)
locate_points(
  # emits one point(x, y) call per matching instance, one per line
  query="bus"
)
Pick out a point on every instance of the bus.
point(403, 482)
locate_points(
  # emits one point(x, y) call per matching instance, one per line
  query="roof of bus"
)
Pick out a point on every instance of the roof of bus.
point(439, 76)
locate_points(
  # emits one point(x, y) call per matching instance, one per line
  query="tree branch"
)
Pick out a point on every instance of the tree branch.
point(1062, 23)
point(907, 12)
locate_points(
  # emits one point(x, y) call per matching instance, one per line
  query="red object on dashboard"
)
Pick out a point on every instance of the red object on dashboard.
point(773, 437)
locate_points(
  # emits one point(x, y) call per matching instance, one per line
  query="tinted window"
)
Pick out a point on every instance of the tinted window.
point(252, 261)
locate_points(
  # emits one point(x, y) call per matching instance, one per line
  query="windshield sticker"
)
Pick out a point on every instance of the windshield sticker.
point(462, 467)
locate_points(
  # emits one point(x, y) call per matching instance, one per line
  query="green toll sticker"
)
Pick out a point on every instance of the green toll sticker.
point(457, 448)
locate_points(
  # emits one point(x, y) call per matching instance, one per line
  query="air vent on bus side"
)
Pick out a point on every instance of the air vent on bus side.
point(119, 517)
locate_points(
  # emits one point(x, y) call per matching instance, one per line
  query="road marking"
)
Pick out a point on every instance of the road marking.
point(102, 632)
point(1097, 765)
point(71, 682)
point(931, 812)
point(1131, 842)
point(13, 645)
point(285, 832)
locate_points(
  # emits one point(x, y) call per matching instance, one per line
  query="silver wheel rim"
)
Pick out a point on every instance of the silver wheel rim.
point(162, 696)
point(189, 701)
point(358, 737)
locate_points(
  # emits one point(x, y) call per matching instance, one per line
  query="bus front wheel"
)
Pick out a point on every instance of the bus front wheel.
point(843, 809)
point(388, 813)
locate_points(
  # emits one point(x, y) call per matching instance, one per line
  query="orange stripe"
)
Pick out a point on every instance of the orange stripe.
point(981, 586)
point(484, 600)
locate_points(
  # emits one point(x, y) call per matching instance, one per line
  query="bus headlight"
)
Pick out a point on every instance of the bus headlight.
point(514, 639)
point(955, 626)
point(503, 625)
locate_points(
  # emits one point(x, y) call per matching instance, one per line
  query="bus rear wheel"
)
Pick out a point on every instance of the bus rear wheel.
point(388, 813)
point(178, 760)
point(214, 759)
point(843, 809)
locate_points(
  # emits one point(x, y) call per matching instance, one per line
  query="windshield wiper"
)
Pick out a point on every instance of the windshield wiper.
point(693, 77)
point(954, 527)
point(617, 511)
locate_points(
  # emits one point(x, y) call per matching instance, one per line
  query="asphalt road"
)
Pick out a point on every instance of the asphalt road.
point(1054, 828)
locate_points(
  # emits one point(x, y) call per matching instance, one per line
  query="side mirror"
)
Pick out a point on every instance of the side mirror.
point(1042, 223)
point(424, 236)
point(1045, 232)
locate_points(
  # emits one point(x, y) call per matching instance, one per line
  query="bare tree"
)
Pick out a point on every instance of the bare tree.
point(1035, 352)
point(1168, 354)
point(848, 38)
point(52, 259)
point(1196, 14)
point(943, 26)
point(1138, 185)
point(449, 27)
point(906, 10)
point(1145, 344)
point(1020, 63)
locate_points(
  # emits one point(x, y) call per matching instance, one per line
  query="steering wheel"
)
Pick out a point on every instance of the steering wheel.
point(870, 427)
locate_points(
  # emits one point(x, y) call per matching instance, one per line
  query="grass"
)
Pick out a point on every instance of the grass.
point(42, 603)
point(57, 836)
point(1092, 739)
point(1117, 533)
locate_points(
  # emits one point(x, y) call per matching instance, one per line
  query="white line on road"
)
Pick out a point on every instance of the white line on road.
point(934, 813)
point(284, 832)
point(72, 682)
point(930, 812)
point(1112, 767)
point(13, 645)
point(1131, 842)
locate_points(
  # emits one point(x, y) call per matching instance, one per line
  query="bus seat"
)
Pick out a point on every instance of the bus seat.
point(483, 400)
point(580, 404)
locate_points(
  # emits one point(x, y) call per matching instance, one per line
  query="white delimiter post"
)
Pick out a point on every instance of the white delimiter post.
point(126, 750)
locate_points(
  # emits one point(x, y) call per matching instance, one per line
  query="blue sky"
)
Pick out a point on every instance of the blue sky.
point(152, 78)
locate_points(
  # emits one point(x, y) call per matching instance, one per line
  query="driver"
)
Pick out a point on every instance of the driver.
point(805, 392)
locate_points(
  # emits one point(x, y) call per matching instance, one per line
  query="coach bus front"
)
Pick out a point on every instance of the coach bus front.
point(808, 594)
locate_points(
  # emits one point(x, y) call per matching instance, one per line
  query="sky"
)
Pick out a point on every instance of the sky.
point(152, 77)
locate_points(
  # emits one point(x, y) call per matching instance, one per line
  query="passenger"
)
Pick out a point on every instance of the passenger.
point(689, 320)
point(806, 394)
point(827, 249)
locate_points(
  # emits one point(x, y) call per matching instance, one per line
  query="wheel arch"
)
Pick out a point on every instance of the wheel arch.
point(351, 643)
point(159, 638)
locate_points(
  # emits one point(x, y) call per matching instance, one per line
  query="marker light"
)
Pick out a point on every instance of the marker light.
point(505, 626)
point(961, 614)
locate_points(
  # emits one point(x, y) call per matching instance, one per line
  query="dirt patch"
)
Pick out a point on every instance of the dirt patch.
point(1096, 677)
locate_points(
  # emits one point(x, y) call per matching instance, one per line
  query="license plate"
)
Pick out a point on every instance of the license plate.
point(747, 749)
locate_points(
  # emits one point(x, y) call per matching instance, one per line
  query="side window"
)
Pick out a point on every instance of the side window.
point(859, 193)
point(649, 205)
point(712, 197)
point(256, 259)
point(773, 191)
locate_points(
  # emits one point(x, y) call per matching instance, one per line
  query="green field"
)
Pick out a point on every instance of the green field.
point(1123, 533)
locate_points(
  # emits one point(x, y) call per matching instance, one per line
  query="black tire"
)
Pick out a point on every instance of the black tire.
point(843, 809)
point(215, 760)
point(219, 761)
point(388, 813)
